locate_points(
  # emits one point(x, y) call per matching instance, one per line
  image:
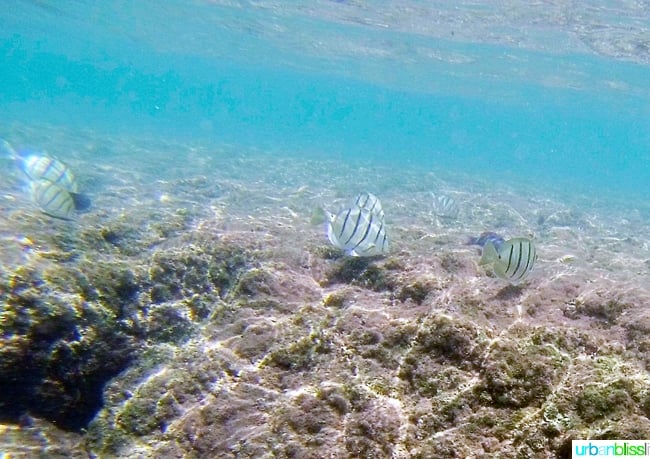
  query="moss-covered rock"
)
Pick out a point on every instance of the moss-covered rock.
point(200, 268)
point(606, 310)
point(452, 340)
point(363, 272)
point(301, 354)
point(56, 353)
point(521, 372)
point(416, 291)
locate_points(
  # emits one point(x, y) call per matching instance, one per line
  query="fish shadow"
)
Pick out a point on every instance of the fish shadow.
point(509, 292)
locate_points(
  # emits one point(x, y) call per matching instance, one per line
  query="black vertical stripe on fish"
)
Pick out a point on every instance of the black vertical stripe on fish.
point(356, 226)
point(62, 174)
point(52, 199)
point(520, 252)
point(63, 201)
point(521, 269)
point(363, 197)
point(532, 257)
point(509, 259)
point(365, 235)
point(57, 192)
point(50, 162)
point(528, 261)
point(46, 194)
point(379, 232)
point(518, 247)
point(345, 222)
point(58, 169)
point(516, 251)
point(514, 259)
point(374, 204)
point(384, 238)
point(370, 202)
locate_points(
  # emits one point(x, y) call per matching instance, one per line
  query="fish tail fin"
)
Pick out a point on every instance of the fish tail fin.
point(331, 235)
point(489, 255)
point(81, 201)
point(320, 216)
point(7, 151)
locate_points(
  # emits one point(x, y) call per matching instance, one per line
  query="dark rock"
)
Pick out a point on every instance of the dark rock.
point(519, 375)
point(300, 355)
point(56, 356)
point(597, 400)
point(607, 311)
point(360, 271)
point(416, 291)
point(167, 324)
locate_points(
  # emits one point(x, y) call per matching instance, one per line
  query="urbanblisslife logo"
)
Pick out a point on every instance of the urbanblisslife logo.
point(610, 448)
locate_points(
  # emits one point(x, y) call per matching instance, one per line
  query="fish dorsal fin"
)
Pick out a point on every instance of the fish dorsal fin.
point(81, 201)
point(489, 255)
point(331, 233)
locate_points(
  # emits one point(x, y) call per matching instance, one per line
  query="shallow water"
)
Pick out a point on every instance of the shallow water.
point(204, 129)
point(544, 92)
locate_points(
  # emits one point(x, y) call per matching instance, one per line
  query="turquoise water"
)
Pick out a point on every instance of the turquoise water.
point(555, 96)
point(199, 299)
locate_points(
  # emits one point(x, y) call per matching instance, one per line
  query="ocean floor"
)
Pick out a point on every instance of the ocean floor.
point(195, 311)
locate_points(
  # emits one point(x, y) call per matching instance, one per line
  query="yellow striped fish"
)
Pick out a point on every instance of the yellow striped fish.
point(54, 200)
point(512, 260)
point(42, 167)
point(359, 232)
point(37, 166)
point(52, 184)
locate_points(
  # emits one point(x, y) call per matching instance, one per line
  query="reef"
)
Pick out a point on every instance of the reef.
point(69, 323)
point(285, 366)
point(179, 334)
point(217, 348)
point(247, 356)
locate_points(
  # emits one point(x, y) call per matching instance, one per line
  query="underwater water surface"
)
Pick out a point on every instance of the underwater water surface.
point(546, 92)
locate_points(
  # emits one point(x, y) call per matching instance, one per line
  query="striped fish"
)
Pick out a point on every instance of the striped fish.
point(359, 232)
point(37, 166)
point(51, 182)
point(42, 167)
point(512, 260)
point(445, 206)
point(54, 200)
point(371, 202)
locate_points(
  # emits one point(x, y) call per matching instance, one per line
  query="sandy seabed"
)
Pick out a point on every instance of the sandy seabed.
point(195, 311)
